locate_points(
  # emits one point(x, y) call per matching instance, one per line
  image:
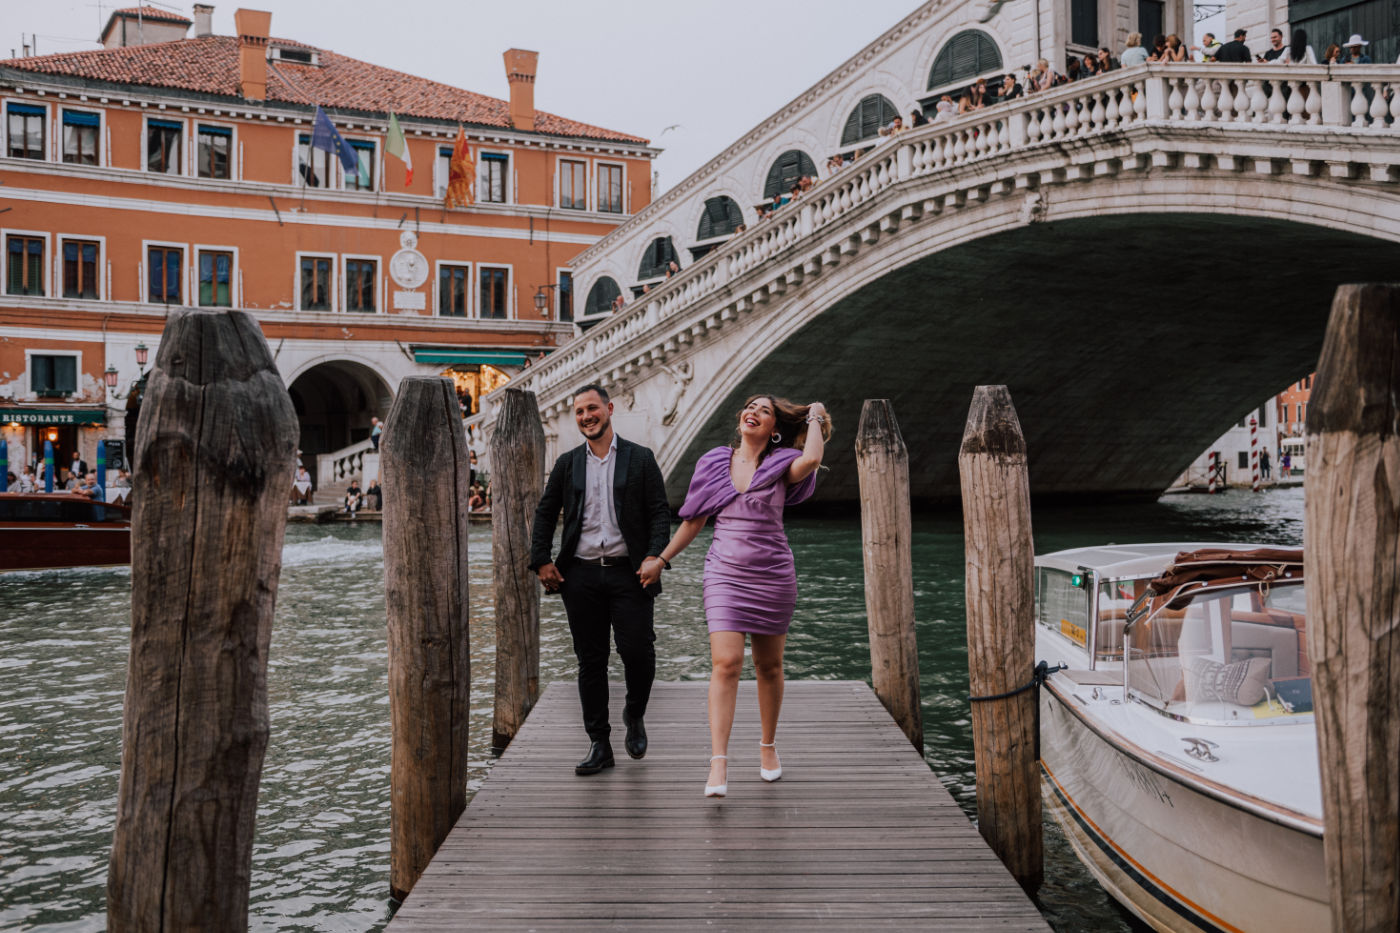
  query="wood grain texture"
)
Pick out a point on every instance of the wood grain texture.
point(886, 536)
point(424, 466)
point(214, 456)
point(1352, 516)
point(859, 833)
point(1000, 629)
point(517, 482)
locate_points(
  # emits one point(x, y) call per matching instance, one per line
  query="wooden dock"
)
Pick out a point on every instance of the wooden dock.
point(859, 833)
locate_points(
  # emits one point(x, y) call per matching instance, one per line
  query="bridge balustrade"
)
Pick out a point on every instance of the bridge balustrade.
point(1264, 99)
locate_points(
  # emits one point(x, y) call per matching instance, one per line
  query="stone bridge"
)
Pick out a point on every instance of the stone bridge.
point(1140, 256)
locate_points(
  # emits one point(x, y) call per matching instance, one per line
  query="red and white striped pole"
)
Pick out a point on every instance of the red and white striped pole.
point(1212, 460)
point(1254, 452)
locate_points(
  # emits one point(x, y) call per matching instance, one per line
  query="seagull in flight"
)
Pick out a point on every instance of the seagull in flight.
point(673, 126)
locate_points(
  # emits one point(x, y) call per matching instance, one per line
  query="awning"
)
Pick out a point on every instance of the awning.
point(469, 357)
point(53, 416)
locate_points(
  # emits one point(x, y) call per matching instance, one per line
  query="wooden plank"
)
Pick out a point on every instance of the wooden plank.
point(857, 831)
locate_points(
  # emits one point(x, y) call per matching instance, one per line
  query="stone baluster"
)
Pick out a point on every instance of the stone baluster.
point(1226, 102)
point(1125, 105)
point(1192, 100)
point(1378, 107)
point(1098, 116)
point(1394, 104)
point(1058, 124)
point(1258, 102)
point(1140, 101)
point(1033, 131)
point(1296, 104)
point(984, 138)
point(1175, 100)
point(1242, 102)
point(1314, 103)
point(1358, 103)
point(1277, 105)
point(1071, 109)
point(1003, 135)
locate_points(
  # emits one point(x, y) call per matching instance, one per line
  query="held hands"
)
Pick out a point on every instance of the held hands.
point(551, 578)
point(651, 571)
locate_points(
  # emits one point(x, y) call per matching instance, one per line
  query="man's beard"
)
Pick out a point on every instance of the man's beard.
point(598, 430)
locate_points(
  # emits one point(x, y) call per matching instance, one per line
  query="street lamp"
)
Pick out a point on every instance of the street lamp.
point(111, 376)
point(141, 351)
point(541, 299)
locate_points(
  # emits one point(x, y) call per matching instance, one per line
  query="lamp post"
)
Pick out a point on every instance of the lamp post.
point(542, 300)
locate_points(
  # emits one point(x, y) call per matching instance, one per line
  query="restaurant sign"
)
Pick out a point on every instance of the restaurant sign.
point(52, 416)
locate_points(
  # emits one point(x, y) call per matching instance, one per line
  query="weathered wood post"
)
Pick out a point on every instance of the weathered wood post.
point(213, 464)
point(425, 470)
point(1001, 630)
point(517, 481)
point(1352, 516)
point(883, 467)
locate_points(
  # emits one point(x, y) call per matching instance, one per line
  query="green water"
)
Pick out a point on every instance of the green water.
point(321, 856)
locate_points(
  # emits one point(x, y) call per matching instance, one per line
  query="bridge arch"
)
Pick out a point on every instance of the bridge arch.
point(965, 56)
point(659, 251)
point(334, 398)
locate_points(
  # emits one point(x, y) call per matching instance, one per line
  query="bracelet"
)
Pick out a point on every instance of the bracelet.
point(819, 419)
point(664, 562)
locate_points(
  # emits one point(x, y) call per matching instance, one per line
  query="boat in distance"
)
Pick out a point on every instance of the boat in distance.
point(45, 531)
point(1178, 744)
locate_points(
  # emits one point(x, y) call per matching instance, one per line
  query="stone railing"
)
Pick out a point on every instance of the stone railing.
point(348, 463)
point(1278, 106)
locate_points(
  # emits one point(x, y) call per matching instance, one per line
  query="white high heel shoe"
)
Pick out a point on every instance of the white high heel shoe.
point(718, 790)
point(771, 776)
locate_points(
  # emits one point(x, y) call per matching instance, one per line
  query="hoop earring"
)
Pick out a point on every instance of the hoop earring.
point(776, 438)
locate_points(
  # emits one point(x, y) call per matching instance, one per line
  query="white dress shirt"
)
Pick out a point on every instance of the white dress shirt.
point(600, 535)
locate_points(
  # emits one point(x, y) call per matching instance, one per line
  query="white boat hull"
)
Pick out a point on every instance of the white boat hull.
point(1177, 854)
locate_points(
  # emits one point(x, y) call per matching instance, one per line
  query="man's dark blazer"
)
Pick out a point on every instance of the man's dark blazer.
point(639, 501)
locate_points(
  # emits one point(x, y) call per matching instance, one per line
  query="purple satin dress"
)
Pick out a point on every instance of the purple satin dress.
point(750, 581)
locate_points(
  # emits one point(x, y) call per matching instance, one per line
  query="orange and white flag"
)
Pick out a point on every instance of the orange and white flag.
point(461, 172)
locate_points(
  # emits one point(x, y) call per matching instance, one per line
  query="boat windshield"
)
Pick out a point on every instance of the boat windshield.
point(1228, 654)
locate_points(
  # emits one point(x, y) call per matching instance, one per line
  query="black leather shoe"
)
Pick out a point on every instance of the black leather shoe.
point(600, 756)
point(636, 741)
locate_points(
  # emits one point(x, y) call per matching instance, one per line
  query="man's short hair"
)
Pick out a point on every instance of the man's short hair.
point(1240, 33)
point(593, 387)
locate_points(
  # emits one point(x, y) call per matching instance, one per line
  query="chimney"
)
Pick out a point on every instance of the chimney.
point(520, 72)
point(252, 27)
point(203, 20)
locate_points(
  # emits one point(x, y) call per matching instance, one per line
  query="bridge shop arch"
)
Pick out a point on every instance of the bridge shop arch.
point(966, 56)
point(334, 402)
point(601, 296)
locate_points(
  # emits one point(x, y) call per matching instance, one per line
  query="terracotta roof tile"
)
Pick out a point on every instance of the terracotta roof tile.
point(152, 13)
point(209, 65)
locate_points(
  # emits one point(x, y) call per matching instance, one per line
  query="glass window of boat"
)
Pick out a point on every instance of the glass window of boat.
point(1234, 655)
point(1061, 606)
point(1116, 597)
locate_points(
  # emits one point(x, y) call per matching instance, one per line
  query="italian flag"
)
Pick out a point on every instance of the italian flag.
point(397, 147)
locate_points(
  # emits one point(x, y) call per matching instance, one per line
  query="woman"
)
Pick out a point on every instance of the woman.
point(1159, 48)
point(1041, 78)
point(1010, 90)
point(750, 583)
point(1175, 50)
point(1333, 55)
point(1134, 53)
point(1090, 67)
point(1298, 52)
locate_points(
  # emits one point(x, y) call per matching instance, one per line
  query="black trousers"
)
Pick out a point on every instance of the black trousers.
point(601, 601)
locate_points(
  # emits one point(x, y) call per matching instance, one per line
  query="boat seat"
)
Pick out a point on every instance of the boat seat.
point(1275, 642)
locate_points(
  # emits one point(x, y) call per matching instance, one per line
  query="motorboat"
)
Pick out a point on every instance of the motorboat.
point(41, 531)
point(1177, 742)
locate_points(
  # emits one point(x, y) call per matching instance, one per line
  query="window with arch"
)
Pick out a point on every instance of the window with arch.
point(787, 169)
point(720, 218)
point(601, 296)
point(656, 258)
point(970, 53)
point(865, 121)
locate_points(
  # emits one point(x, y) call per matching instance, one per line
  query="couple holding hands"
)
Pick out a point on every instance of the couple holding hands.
point(615, 546)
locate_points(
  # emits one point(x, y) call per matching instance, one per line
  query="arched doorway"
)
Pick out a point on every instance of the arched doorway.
point(334, 402)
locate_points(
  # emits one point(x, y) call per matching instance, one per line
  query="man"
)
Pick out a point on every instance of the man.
point(1236, 51)
point(1276, 46)
point(375, 429)
point(616, 522)
point(1356, 51)
point(79, 466)
point(1208, 48)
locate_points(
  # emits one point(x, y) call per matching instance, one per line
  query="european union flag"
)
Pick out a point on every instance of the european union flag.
point(325, 138)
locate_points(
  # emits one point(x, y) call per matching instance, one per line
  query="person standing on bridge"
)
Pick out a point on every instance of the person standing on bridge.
point(750, 581)
point(616, 519)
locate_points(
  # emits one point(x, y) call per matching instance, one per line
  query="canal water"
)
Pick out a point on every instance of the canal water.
point(321, 855)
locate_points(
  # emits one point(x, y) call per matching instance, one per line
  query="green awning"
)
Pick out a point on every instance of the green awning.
point(469, 357)
point(52, 416)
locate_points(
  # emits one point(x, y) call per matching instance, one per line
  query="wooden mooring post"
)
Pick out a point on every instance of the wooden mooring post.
point(1000, 630)
point(425, 475)
point(883, 468)
point(1352, 516)
point(214, 454)
point(517, 481)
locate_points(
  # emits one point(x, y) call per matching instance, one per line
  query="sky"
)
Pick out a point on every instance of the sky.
point(690, 76)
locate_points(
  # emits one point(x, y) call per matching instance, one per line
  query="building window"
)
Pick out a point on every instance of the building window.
point(25, 130)
point(24, 265)
point(315, 166)
point(494, 286)
point(215, 278)
point(53, 375)
point(968, 54)
point(163, 266)
point(361, 284)
point(866, 119)
point(453, 282)
point(315, 283)
point(215, 147)
point(1243, 457)
point(601, 296)
point(363, 179)
point(657, 259)
point(786, 171)
point(80, 268)
point(491, 180)
point(1263, 416)
point(80, 137)
point(573, 194)
point(444, 171)
point(566, 296)
point(1084, 22)
point(610, 189)
point(1151, 19)
point(721, 217)
point(163, 147)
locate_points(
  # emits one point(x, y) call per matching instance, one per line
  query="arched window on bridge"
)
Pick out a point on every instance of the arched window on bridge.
point(601, 296)
point(865, 121)
point(786, 171)
point(720, 218)
point(965, 56)
point(655, 259)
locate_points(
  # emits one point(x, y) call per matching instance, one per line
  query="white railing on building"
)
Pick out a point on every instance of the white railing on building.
point(1350, 100)
point(358, 461)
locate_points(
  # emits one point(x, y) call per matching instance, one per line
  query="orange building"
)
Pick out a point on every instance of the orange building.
point(163, 170)
point(1293, 407)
